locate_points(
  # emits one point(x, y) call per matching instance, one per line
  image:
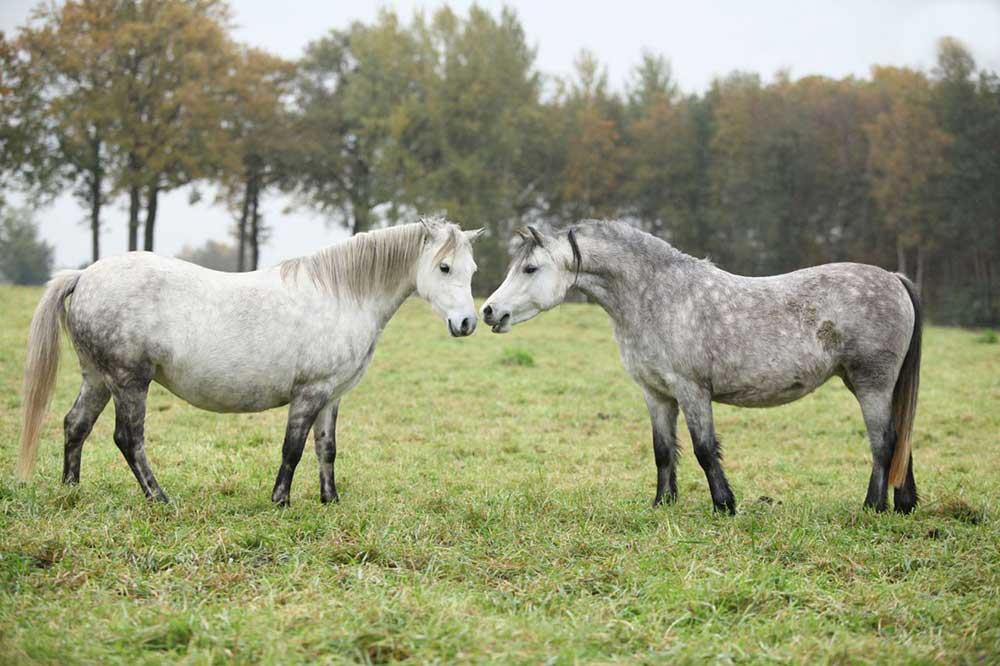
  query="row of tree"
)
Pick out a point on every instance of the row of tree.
point(449, 114)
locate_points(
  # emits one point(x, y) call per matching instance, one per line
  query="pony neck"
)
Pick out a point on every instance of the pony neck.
point(387, 304)
point(617, 262)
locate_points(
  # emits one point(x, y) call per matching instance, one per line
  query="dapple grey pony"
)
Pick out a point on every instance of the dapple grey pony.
point(690, 333)
point(301, 333)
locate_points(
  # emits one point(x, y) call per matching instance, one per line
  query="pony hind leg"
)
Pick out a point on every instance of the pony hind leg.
point(663, 415)
point(876, 407)
point(130, 417)
point(325, 435)
point(79, 421)
point(905, 498)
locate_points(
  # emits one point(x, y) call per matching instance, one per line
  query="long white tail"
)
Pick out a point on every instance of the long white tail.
point(42, 363)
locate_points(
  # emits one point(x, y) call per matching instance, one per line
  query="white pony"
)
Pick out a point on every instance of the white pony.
point(301, 333)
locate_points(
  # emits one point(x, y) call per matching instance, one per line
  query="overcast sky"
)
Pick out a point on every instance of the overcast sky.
point(702, 39)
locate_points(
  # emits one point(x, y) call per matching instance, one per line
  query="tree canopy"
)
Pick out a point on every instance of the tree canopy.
point(448, 113)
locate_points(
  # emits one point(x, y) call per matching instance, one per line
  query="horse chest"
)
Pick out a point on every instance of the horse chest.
point(351, 374)
point(339, 358)
point(643, 365)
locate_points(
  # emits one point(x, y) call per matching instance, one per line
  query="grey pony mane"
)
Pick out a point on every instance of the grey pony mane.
point(629, 236)
point(621, 234)
point(369, 263)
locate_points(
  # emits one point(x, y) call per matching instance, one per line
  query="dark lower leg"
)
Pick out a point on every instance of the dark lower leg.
point(663, 416)
point(300, 420)
point(878, 485)
point(665, 454)
point(77, 426)
point(325, 434)
point(905, 499)
point(706, 449)
point(291, 453)
point(130, 415)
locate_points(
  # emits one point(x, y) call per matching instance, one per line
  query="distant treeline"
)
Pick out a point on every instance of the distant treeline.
point(449, 114)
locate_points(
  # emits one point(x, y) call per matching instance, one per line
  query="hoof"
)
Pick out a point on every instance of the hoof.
point(159, 496)
point(877, 507)
point(904, 502)
point(727, 506)
point(664, 499)
point(327, 499)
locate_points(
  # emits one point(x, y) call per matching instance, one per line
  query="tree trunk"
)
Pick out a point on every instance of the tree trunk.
point(241, 228)
point(134, 203)
point(95, 222)
point(134, 206)
point(255, 228)
point(151, 204)
point(362, 218)
point(95, 205)
point(921, 266)
point(991, 311)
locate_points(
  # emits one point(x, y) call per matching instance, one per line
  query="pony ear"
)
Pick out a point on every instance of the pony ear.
point(536, 236)
point(474, 234)
point(430, 228)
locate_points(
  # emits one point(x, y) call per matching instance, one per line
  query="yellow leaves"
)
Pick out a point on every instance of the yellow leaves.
point(908, 148)
point(594, 161)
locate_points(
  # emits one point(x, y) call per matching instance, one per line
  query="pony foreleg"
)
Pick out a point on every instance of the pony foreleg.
point(663, 416)
point(325, 435)
point(301, 414)
point(698, 414)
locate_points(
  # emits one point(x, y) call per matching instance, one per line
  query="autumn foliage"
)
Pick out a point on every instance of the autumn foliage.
point(447, 113)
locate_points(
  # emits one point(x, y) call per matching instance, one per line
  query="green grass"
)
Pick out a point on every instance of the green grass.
point(499, 509)
point(515, 356)
point(988, 338)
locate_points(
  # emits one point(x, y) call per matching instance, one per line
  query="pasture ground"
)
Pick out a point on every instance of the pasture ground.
point(495, 505)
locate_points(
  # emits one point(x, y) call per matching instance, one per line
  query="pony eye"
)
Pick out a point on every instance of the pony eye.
point(530, 269)
point(445, 268)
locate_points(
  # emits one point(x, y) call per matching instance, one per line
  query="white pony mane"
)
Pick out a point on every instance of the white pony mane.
point(369, 263)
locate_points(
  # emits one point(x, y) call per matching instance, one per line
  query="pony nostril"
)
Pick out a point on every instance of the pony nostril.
point(487, 313)
point(465, 326)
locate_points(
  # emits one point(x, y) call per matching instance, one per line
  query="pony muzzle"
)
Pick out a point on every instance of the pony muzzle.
point(498, 318)
point(459, 327)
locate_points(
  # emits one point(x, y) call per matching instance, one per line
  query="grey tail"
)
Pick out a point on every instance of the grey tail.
point(904, 395)
point(42, 363)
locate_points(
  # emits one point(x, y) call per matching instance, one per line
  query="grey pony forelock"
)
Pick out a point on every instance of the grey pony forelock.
point(530, 239)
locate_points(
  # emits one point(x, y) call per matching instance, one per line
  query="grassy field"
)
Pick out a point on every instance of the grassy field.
point(495, 505)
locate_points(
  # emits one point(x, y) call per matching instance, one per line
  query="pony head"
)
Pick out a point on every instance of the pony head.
point(444, 274)
point(542, 270)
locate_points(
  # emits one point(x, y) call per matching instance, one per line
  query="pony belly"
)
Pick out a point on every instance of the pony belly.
point(753, 396)
point(215, 394)
point(770, 392)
